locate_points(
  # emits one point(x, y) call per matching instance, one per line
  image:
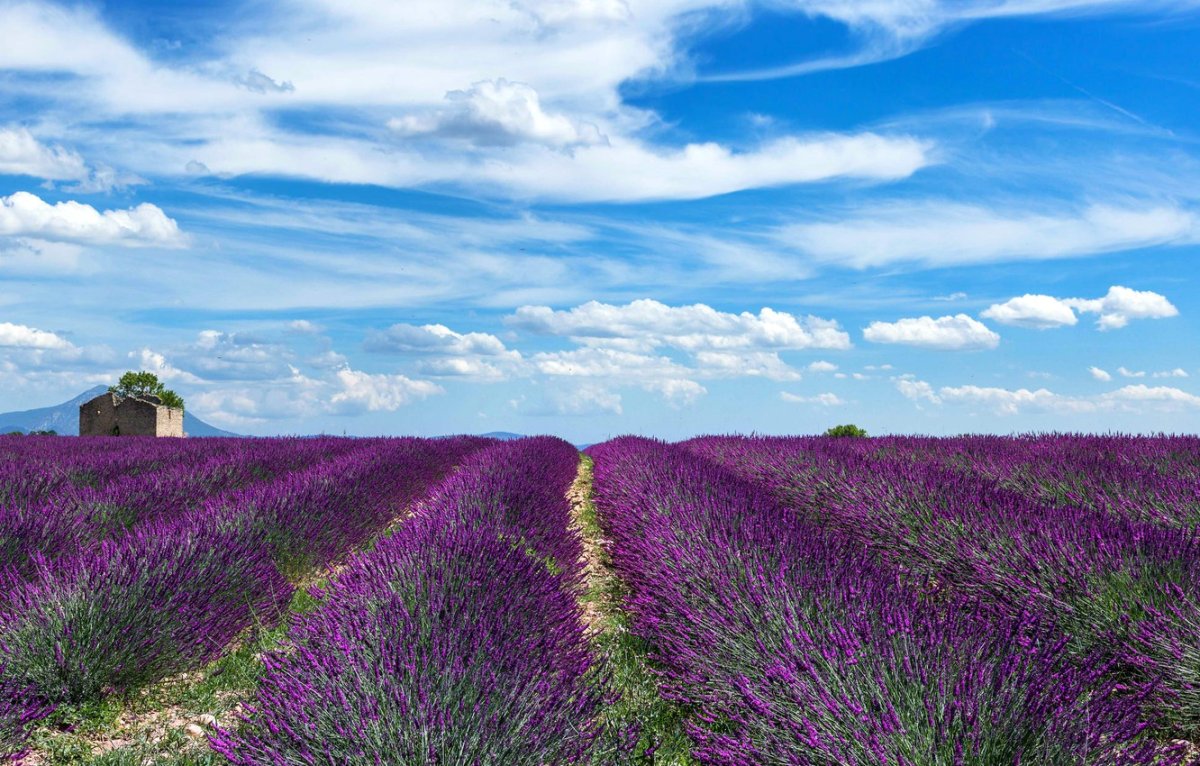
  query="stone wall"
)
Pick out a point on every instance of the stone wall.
point(98, 417)
point(107, 415)
point(170, 421)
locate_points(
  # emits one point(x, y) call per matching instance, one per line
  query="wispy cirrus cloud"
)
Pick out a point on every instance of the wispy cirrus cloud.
point(890, 29)
point(943, 233)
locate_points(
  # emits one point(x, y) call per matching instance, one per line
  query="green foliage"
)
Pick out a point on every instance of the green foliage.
point(144, 383)
point(846, 430)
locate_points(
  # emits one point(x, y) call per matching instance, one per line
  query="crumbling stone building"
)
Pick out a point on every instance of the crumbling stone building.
point(112, 415)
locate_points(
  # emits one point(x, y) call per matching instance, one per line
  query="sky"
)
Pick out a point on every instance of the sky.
point(598, 217)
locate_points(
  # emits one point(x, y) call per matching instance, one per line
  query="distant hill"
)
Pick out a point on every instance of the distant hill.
point(64, 418)
point(504, 436)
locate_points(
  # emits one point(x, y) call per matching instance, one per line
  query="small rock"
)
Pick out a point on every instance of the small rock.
point(207, 720)
point(193, 730)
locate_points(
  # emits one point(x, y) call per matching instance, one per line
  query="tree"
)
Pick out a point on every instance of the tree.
point(846, 430)
point(142, 384)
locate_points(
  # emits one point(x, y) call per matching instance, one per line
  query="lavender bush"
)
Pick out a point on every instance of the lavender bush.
point(1118, 583)
point(452, 642)
point(792, 644)
point(130, 612)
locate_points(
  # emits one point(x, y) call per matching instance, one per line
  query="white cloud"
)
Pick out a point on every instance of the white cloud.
point(473, 368)
point(916, 390)
point(362, 391)
point(211, 116)
point(1178, 372)
point(1037, 311)
point(651, 324)
point(605, 368)
point(1122, 304)
point(1005, 401)
point(304, 327)
point(753, 364)
point(21, 336)
point(822, 366)
point(22, 154)
point(584, 399)
point(678, 392)
point(1009, 402)
point(627, 170)
point(949, 233)
point(890, 29)
point(1164, 395)
point(826, 399)
point(153, 361)
point(434, 339)
point(1116, 309)
point(1128, 373)
point(1100, 374)
point(949, 333)
point(498, 112)
point(607, 363)
point(25, 214)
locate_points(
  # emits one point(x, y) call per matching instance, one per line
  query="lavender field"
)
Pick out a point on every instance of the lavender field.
point(724, 600)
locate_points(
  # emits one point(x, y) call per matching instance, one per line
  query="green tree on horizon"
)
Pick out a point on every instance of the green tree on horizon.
point(846, 430)
point(141, 384)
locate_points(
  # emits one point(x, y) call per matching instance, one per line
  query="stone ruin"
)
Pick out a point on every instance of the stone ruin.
point(112, 415)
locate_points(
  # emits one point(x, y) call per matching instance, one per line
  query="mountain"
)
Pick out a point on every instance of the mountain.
point(64, 418)
point(504, 436)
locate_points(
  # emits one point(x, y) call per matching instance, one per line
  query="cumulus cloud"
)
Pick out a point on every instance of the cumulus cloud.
point(366, 392)
point(499, 112)
point(949, 333)
point(650, 324)
point(678, 392)
point(155, 362)
point(916, 390)
point(1009, 401)
point(1125, 372)
point(827, 399)
point(27, 215)
point(1122, 304)
point(22, 336)
point(754, 364)
point(1040, 312)
point(434, 339)
point(1178, 372)
point(607, 363)
point(822, 366)
point(1100, 374)
point(1115, 309)
point(1006, 401)
point(584, 399)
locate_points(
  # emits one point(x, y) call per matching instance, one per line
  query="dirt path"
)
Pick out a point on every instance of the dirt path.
point(599, 582)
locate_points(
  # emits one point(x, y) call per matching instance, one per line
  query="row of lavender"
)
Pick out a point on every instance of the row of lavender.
point(833, 632)
point(89, 607)
point(1121, 579)
point(457, 640)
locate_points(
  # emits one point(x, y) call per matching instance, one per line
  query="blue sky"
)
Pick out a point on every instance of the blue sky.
point(593, 217)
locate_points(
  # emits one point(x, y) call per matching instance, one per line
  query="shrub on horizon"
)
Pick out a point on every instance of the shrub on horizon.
point(848, 429)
